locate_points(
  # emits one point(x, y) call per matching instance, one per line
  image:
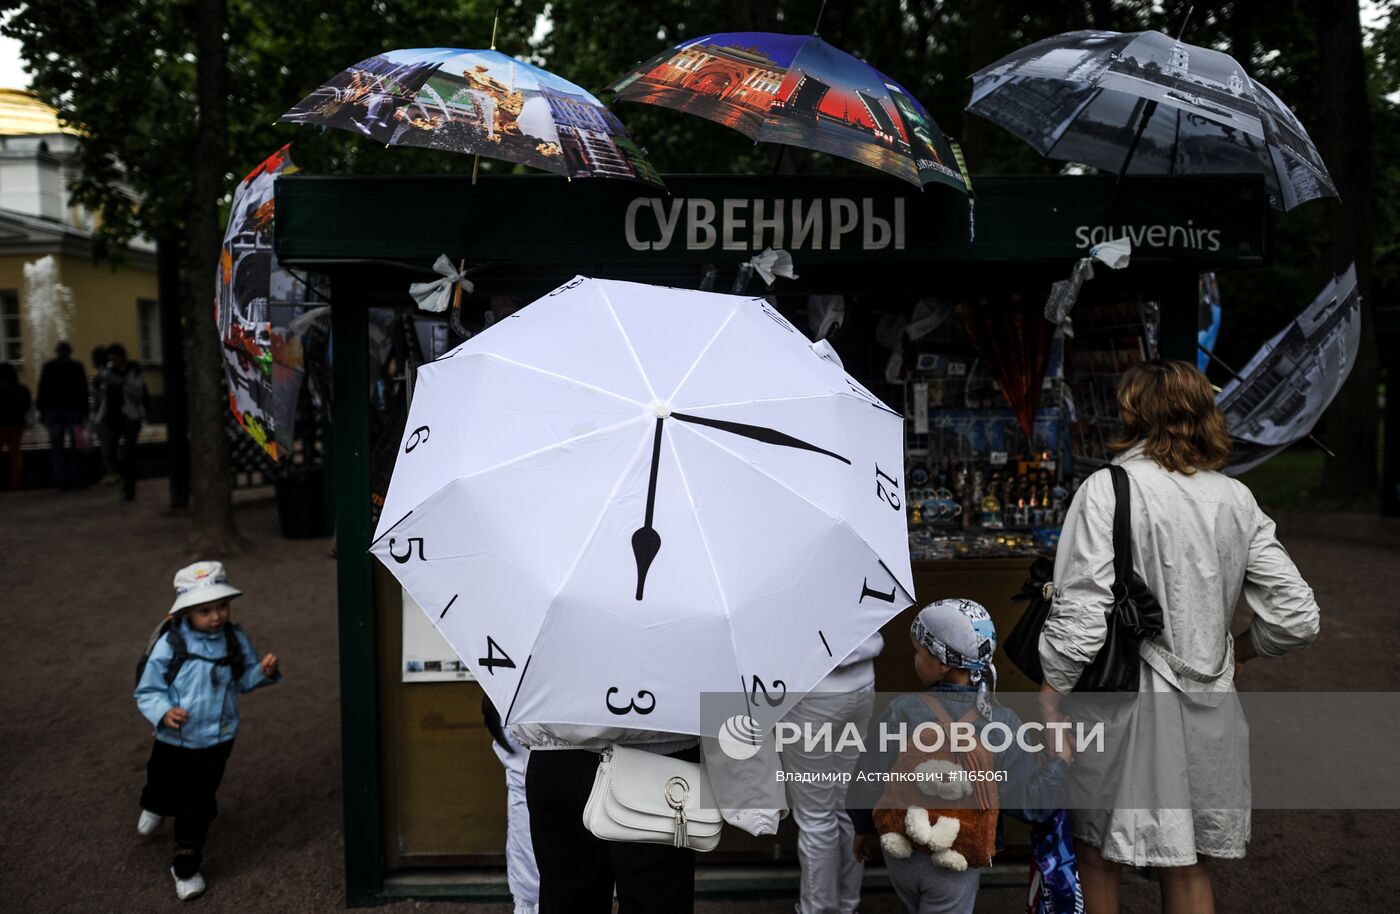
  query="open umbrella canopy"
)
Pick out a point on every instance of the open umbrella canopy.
point(1293, 378)
point(799, 90)
point(1147, 103)
point(624, 496)
point(479, 102)
point(263, 363)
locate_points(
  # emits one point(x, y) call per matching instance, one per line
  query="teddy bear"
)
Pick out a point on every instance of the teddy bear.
point(914, 814)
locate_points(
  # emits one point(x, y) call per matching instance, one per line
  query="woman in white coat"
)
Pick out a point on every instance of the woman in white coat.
point(1200, 542)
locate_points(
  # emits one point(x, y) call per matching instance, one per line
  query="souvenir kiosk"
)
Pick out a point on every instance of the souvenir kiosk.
point(929, 288)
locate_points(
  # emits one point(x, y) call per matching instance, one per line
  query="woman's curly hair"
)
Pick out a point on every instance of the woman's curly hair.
point(1169, 408)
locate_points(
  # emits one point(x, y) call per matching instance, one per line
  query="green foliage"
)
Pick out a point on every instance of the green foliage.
point(929, 48)
point(124, 70)
point(138, 125)
point(1385, 129)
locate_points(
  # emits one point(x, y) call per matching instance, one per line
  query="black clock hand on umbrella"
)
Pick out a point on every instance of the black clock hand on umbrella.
point(758, 433)
point(646, 542)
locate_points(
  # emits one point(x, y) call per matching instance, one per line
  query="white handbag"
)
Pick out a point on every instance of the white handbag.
point(654, 799)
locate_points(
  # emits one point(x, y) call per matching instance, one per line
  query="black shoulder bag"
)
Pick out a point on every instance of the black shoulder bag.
point(1135, 614)
point(1022, 646)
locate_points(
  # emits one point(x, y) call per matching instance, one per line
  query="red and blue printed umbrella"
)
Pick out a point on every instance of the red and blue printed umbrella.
point(800, 91)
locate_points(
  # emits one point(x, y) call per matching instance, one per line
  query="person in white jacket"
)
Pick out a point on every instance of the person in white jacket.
point(1200, 542)
point(831, 874)
point(522, 875)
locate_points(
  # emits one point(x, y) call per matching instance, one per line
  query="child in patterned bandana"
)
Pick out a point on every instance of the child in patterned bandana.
point(188, 689)
point(965, 648)
point(953, 641)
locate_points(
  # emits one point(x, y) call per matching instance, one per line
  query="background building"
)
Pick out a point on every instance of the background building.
point(51, 287)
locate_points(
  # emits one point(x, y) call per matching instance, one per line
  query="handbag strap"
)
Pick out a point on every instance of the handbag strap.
point(1122, 529)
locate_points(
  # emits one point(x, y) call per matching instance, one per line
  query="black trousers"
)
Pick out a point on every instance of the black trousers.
point(119, 450)
point(577, 870)
point(182, 783)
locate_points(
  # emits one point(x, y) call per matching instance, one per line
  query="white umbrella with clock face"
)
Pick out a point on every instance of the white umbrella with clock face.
point(625, 495)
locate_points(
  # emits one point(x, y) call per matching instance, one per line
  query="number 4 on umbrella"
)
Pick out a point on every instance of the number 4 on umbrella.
point(491, 660)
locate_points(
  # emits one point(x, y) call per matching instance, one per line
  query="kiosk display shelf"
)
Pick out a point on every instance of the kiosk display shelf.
point(983, 481)
point(423, 792)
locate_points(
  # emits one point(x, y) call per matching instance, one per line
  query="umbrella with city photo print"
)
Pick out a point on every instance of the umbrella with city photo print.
point(799, 91)
point(255, 301)
point(1145, 103)
point(1282, 392)
point(478, 102)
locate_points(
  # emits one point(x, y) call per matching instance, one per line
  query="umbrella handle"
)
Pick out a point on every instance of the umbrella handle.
point(495, 24)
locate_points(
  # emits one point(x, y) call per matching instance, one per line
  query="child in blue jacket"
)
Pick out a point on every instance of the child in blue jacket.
point(188, 689)
point(953, 641)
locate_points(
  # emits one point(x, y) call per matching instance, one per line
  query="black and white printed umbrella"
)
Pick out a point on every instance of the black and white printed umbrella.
point(624, 496)
point(1146, 103)
point(1279, 396)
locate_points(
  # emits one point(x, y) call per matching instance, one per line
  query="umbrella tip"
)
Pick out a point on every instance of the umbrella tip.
point(663, 410)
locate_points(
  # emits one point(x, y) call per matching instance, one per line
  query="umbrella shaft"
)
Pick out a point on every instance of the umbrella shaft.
point(1148, 110)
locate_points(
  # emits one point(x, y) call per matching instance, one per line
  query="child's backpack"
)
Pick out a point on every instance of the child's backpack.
point(233, 652)
point(954, 818)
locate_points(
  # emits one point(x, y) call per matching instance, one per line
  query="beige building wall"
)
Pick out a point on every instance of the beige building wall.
point(104, 311)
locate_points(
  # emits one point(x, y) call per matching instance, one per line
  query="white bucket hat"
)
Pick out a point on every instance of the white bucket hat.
point(202, 582)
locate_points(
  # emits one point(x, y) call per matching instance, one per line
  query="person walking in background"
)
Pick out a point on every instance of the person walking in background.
point(14, 416)
point(123, 409)
point(63, 408)
point(94, 430)
point(1199, 542)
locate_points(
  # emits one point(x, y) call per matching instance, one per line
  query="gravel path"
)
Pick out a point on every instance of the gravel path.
point(83, 579)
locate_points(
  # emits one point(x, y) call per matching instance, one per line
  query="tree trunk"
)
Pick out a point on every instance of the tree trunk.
point(1345, 141)
point(983, 46)
point(170, 289)
point(212, 530)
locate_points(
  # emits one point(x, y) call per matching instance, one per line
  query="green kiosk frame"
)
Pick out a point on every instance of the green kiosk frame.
point(523, 235)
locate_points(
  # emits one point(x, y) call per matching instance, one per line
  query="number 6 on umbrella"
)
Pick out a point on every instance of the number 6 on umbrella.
point(636, 495)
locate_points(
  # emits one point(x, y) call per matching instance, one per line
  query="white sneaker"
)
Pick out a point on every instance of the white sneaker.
point(185, 889)
point(148, 823)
